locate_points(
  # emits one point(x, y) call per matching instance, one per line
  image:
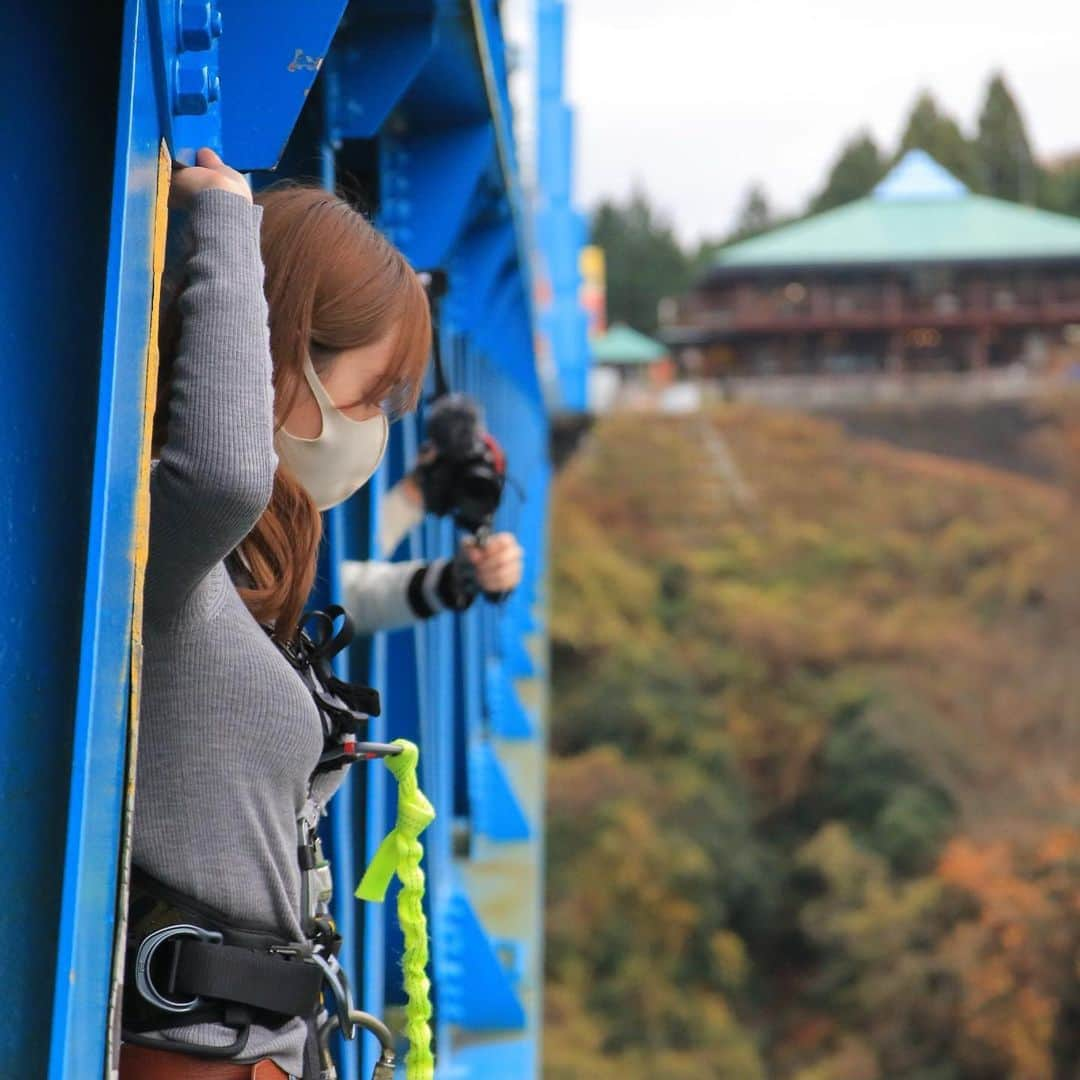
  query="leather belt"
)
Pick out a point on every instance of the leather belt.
point(146, 1063)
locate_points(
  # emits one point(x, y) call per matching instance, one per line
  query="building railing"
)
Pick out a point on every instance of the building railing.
point(796, 307)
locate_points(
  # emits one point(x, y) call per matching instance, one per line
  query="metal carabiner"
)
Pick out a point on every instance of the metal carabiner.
point(384, 1067)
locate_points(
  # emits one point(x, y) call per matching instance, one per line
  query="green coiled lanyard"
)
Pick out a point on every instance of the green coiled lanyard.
point(400, 853)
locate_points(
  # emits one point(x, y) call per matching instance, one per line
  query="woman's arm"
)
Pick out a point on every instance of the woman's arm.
point(400, 511)
point(386, 596)
point(216, 471)
point(381, 595)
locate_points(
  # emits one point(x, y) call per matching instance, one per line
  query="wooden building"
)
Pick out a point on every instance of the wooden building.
point(922, 275)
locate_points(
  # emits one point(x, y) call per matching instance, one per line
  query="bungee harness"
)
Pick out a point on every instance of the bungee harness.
point(189, 964)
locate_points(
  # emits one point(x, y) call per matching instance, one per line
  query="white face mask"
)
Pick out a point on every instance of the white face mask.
point(344, 456)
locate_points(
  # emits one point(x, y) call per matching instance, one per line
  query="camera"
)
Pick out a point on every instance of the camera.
point(462, 469)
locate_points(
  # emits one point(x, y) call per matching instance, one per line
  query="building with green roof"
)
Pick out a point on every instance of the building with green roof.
point(922, 274)
point(624, 347)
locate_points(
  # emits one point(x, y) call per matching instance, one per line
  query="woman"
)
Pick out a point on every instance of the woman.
point(230, 733)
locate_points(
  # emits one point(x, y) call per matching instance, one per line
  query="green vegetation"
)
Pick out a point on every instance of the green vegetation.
point(644, 260)
point(814, 807)
point(856, 171)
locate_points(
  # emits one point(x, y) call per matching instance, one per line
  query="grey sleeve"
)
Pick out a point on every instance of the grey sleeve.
point(216, 471)
point(377, 594)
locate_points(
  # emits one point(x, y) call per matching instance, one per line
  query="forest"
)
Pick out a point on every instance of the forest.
point(814, 795)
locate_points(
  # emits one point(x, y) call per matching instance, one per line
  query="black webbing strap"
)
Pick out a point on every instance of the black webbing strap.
point(276, 982)
point(153, 906)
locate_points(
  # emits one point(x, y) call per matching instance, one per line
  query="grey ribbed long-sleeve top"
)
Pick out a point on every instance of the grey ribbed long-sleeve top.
point(228, 734)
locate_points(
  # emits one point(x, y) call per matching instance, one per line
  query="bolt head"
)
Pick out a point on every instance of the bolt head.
point(192, 88)
point(195, 19)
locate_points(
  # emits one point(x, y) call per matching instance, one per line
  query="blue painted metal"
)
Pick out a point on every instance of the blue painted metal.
point(238, 78)
point(376, 58)
point(370, 826)
point(506, 715)
point(185, 36)
point(516, 658)
point(560, 230)
point(270, 55)
point(419, 90)
point(85, 948)
point(498, 814)
point(429, 180)
point(477, 991)
point(498, 1058)
point(53, 257)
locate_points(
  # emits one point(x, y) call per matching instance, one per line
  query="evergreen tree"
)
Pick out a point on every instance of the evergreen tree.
point(645, 262)
point(1007, 168)
point(929, 129)
point(1059, 187)
point(853, 175)
point(755, 216)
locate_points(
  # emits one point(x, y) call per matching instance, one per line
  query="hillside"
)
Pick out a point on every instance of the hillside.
point(815, 776)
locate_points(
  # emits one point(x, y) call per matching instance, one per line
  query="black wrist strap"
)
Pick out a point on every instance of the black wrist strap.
point(457, 587)
point(415, 594)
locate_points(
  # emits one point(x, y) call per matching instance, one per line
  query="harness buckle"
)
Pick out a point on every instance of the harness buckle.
point(144, 983)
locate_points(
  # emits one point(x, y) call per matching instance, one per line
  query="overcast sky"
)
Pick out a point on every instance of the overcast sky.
point(696, 99)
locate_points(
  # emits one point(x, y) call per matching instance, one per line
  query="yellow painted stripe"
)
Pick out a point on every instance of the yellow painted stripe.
point(140, 549)
point(141, 533)
point(142, 498)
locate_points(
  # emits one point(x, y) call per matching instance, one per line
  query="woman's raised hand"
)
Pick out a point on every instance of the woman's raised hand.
point(209, 171)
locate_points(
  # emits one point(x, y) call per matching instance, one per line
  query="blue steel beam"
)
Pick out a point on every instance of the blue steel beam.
point(88, 902)
point(478, 991)
point(507, 717)
point(378, 54)
point(429, 180)
point(238, 78)
point(497, 813)
point(560, 231)
point(53, 255)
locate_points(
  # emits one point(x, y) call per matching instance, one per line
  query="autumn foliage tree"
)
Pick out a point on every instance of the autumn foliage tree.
point(813, 799)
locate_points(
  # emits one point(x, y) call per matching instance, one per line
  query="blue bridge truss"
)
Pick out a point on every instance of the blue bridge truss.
point(405, 104)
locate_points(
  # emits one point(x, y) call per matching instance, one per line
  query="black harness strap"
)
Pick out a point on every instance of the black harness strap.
point(272, 981)
point(344, 708)
point(155, 906)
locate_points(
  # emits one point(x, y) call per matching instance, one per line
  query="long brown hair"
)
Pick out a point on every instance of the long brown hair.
point(333, 282)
